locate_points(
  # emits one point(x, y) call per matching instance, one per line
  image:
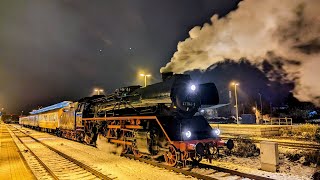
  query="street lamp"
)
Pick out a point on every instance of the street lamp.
point(145, 78)
point(98, 91)
point(235, 84)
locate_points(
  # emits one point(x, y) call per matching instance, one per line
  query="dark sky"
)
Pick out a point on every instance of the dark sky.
point(60, 50)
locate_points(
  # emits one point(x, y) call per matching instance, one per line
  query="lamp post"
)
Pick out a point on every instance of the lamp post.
point(236, 98)
point(260, 103)
point(145, 78)
point(98, 91)
point(256, 114)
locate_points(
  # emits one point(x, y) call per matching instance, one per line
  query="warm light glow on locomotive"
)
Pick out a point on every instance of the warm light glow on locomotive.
point(188, 134)
point(193, 87)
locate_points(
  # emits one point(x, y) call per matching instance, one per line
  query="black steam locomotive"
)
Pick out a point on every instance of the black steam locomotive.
point(155, 120)
point(176, 96)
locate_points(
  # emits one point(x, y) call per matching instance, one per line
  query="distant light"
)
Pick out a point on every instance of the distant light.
point(100, 50)
point(148, 75)
point(130, 48)
point(235, 84)
point(193, 87)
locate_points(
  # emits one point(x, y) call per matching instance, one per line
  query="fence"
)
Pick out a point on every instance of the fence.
point(278, 121)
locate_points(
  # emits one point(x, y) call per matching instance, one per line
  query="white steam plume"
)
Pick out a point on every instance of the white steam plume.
point(287, 29)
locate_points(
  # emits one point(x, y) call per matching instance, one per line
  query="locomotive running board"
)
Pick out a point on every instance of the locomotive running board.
point(129, 118)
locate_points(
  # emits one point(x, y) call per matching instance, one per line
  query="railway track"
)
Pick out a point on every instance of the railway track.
point(299, 145)
point(283, 144)
point(203, 171)
point(49, 163)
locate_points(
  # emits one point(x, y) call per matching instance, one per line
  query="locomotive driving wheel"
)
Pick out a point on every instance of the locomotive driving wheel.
point(171, 156)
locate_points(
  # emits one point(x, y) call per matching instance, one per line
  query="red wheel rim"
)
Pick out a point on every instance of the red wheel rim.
point(171, 156)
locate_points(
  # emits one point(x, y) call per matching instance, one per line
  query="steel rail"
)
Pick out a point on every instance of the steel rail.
point(80, 164)
point(175, 169)
point(197, 175)
point(299, 145)
point(241, 174)
point(35, 156)
point(283, 144)
point(22, 157)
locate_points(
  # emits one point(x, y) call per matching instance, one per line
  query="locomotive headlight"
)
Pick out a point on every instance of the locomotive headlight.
point(193, 87)
point(188, 134)
point(216, 132)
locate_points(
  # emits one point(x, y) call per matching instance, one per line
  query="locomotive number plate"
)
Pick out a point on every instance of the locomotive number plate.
point(186, 103)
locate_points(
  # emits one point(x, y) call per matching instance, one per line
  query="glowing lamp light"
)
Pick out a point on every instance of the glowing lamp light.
point(145, 78)
point(235, 84)
point(188, 134)
point(217, 132)
point(193, 87)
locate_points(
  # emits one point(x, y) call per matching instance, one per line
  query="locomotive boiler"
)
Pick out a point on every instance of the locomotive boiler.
point(176, 96)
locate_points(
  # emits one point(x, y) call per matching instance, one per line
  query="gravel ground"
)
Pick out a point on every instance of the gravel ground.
point(288, 170)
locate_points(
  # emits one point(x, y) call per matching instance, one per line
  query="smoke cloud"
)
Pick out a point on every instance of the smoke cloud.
point(283, 32)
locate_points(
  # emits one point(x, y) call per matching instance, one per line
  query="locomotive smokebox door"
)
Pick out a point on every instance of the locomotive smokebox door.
point(209, 94)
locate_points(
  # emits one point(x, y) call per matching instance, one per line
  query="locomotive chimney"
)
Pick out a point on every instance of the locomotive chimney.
point(166, 75)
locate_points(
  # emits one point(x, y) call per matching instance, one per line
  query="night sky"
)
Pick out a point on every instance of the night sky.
point(52, 51)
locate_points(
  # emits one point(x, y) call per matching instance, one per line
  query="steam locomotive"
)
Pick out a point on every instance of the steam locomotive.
point(157, 120)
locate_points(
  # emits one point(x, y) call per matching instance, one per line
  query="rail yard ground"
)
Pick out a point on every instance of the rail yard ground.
point(106, 160)
point(12, 165)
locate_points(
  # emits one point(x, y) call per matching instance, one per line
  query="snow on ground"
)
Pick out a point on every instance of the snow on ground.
point(287, 170)
point(103, 159)
point(106, 159)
